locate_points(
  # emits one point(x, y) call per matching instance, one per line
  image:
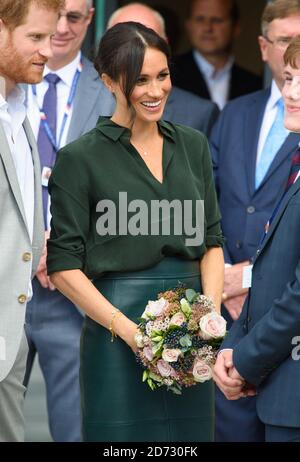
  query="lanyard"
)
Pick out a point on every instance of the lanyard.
point(43, 116)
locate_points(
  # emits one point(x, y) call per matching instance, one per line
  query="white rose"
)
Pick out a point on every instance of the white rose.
point(164, 368)
point(178, 319)
point(201, 371)
point(155, 308)
point(212, 325)
point(171, 355)
point(139, 339)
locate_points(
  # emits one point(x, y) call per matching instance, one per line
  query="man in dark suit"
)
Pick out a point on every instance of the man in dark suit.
point(263, 344)
point(251, 175)
point(209, 70)
point(182, 106)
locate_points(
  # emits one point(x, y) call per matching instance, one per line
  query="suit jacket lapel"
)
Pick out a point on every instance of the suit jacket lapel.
point(10, 169)
point(169, 107)
point(87, 96)
point(288, 147)
point(253, 121)
point(38, 224)
point(285, 201)
point(196, 78)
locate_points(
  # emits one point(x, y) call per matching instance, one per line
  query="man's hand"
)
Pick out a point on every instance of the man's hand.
point(226, 376)
point(234, 305)
point(234, 295)
point(41, 272)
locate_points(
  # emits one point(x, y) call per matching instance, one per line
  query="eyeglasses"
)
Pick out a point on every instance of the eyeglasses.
point(281, 43)
point(74, 17)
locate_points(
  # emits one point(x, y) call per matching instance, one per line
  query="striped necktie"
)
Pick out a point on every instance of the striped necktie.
point(295, 167)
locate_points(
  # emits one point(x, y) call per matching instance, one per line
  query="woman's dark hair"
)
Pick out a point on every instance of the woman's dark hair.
point(121, 53)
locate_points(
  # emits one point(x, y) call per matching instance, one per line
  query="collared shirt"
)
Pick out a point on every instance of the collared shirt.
point(101, 174)
point(12, 116)
point(269, 117)
point(63, 87)
point(218, 82)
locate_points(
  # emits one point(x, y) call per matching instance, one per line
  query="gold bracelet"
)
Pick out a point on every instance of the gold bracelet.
point(114, 313)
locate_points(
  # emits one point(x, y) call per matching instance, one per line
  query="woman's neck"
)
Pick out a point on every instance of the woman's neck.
point(144, 131)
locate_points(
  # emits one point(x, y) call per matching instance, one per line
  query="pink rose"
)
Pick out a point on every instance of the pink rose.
point(156, 308)
point(148, 352)
point(201, 371)
point(178, 319)
point(171, 355)
point(164, 368)
point(212, 325)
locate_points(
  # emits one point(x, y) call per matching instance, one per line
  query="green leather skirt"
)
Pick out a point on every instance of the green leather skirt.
point(116, 405)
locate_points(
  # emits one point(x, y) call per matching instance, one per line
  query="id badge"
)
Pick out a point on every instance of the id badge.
point(46, 172)
point(247, 277)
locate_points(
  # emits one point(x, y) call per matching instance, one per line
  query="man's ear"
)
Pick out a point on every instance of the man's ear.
point(90, 15)
point(2, 80)
point(263, 45)
point(2, 87)
point(237, 30)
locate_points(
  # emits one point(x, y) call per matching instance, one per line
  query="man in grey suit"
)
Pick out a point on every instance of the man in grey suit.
point(26, 27)
point(182, 106)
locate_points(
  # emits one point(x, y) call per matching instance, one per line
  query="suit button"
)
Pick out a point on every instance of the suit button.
point(22, 299)
point(251, 209)
point(26, 256)
point(238, 244)
point(258, 252)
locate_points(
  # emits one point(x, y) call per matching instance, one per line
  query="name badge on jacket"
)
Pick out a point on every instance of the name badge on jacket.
point(247, 277)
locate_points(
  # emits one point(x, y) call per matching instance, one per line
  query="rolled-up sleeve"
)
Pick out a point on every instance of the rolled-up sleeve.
point(70, 212)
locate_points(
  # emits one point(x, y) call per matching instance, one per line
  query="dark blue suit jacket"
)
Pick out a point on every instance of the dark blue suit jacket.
point(262, 337)
point(234, 142)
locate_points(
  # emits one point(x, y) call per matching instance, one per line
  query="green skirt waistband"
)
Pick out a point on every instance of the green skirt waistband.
point(168, 268)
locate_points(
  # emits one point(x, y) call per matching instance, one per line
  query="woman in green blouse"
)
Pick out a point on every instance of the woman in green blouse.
point(127, 223)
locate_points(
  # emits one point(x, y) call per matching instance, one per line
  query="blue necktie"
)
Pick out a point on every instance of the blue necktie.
point(46, 149)
point(273, 143)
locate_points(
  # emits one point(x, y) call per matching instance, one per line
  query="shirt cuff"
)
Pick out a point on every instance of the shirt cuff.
point(225, 349)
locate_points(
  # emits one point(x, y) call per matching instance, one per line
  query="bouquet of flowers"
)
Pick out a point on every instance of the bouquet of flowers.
point(178, 338)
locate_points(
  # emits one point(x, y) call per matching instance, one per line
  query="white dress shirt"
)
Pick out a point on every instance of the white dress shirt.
point(218, 82)
point(12, 116)
point(268, 118)
point(63, 87)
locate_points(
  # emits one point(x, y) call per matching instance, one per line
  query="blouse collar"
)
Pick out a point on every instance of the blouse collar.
point(115, 131)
